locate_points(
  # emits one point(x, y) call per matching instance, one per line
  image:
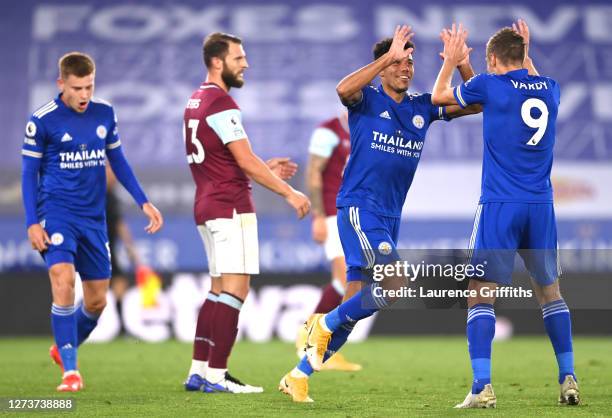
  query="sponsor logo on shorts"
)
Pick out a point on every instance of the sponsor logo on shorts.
point(101, 131)
point(418, 121)
point(57, 238)
point(384, 248)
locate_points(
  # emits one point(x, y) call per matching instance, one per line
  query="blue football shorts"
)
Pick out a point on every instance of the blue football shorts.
point(85, 247)
point(501, 229)
point(367, 239)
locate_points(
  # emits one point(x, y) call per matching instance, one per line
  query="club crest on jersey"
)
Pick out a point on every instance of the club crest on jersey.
point(384, 248)
point(101, 131)
point(57, 238)
point(30, 129)
point(418, 121)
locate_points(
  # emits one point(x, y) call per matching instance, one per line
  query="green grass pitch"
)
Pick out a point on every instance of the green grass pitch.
point(418, 376)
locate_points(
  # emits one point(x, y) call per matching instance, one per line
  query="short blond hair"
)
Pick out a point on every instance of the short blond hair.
point(78, 64)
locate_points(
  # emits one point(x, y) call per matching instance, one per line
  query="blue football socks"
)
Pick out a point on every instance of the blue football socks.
point(338, 339)
point(86, 322)
point(558, 324)
point(64, 330)
point(480, 333)
point(363, 304)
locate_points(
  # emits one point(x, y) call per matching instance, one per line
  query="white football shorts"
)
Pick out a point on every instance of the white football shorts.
point(231, 245)
point(332, 245)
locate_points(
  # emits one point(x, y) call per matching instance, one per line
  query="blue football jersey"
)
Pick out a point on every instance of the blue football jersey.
point(386, 143)
point(519, 116)
point(72, 148)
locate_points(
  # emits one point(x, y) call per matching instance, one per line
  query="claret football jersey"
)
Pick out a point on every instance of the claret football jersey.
point(212, 120)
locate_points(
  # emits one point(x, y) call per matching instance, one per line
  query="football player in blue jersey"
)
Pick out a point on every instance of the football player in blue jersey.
point(387, 130)
point(515, 212)
point(67, 142)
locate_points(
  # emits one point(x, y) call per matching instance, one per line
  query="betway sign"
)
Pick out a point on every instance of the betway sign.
point(268, 312)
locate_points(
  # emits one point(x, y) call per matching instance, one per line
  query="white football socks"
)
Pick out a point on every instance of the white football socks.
point(215, 375)
point(198, 367)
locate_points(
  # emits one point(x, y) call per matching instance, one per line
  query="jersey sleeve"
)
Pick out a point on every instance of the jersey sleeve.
point(32, 152)
point(472, 91)
point(226, 120)
point(35, 139)
point(322, 142)
point(112, 137)
point(366, 93)
point(435, 112)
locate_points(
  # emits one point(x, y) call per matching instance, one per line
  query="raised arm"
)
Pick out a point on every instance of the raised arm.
point(466, 71)
point(349, 88)
point(522, 29)
point(455, 52)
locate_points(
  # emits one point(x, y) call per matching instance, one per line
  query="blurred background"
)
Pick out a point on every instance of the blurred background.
point(148, 57)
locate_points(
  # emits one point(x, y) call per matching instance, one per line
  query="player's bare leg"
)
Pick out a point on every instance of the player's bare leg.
point(94, 295)
point(480, 331)
point(62, 276)
point(202, 339)
point(235, 288)
point(558, 326)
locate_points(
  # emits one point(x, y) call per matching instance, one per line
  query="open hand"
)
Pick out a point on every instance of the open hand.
point(283, 167)
point(455, 48)
point(522, 29)
point(445, 36)
point(156, 219)
point(402, 35)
